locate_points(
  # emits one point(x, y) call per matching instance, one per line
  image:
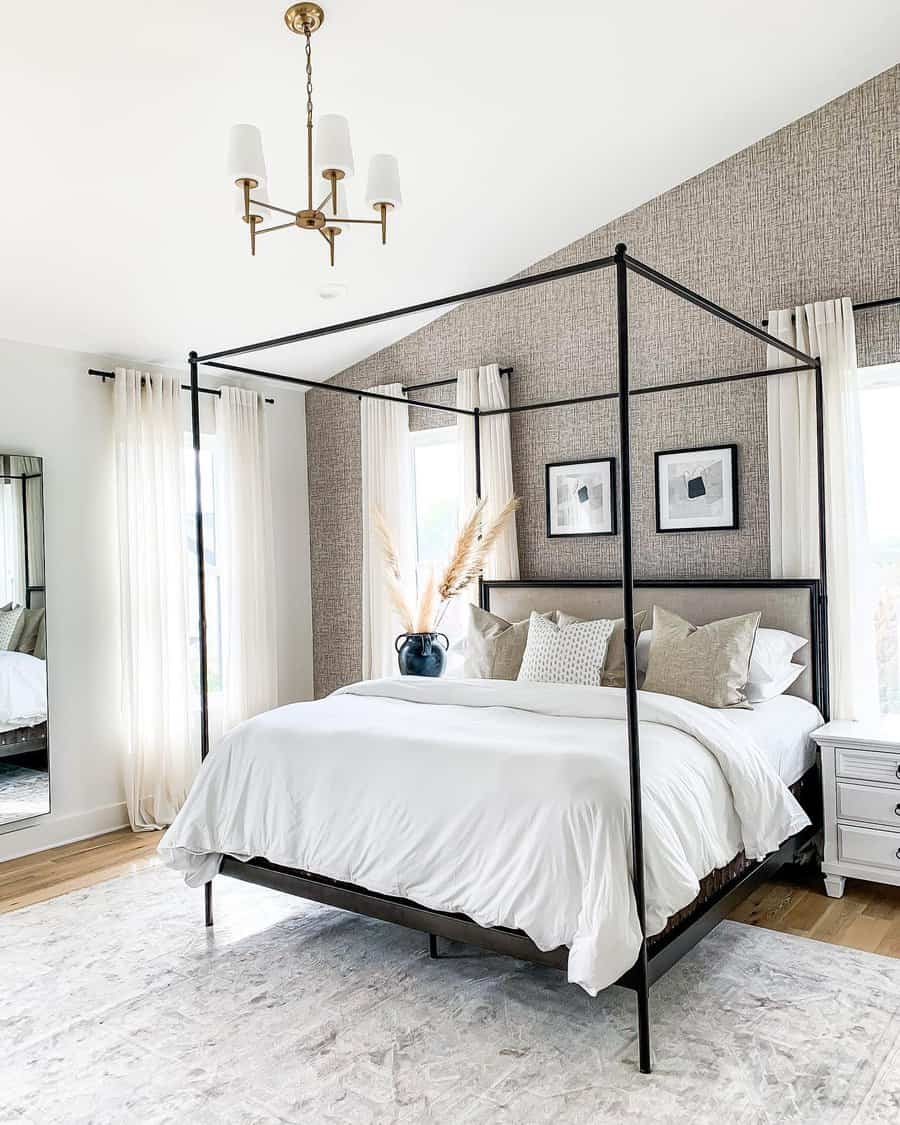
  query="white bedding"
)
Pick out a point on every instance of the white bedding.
point(501, 800)
point(781, 727)
point(23, 690)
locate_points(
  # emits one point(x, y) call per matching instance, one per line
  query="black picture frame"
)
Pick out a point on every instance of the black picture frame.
point(732, 451)
point(548, 469)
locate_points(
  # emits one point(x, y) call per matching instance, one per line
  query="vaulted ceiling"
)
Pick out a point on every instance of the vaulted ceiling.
point(519, 127)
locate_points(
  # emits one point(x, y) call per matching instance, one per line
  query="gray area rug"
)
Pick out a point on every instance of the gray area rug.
point(118, 1006)
point(23, 792)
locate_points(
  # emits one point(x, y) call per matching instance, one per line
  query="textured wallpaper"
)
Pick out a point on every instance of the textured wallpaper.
point(806, 214)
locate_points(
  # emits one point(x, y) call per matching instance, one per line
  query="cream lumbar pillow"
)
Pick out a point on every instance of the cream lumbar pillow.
point(707, 664)
point(565, 654)
point(494, 646)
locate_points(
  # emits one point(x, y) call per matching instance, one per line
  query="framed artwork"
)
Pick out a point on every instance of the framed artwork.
point(696, 489)
point(581, 498)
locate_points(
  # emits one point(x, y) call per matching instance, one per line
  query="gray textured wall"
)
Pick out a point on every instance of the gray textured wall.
point(806, 214)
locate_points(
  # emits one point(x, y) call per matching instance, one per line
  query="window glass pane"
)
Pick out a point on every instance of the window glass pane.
point(437, 493)
point(435, 480)
point(881, 446)
point(213, 578)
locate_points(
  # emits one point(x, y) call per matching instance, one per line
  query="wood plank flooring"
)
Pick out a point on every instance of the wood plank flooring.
point(44, 875)
point(867, 917)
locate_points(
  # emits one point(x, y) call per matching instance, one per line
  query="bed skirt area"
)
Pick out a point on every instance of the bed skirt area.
point(808, 792)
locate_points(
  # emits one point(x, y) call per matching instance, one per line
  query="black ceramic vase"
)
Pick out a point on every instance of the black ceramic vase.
point(422, 654)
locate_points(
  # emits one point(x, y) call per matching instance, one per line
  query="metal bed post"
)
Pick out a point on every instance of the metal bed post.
point(201, 593)
point(641, 970)
point(476, 422)
point(824, 685)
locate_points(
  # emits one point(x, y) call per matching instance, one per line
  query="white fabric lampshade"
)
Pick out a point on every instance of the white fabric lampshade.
point(383, 185)
point(245, 154)
point(333, 148)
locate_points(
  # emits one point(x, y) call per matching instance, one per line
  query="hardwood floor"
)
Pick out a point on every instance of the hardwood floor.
point(867, 917)
point(35, 878)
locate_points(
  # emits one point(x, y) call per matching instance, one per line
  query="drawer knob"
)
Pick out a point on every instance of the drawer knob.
point(898, 853)
point(897, 811)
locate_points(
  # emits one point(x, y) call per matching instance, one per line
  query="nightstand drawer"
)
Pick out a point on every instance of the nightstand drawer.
point(867, 765)
point(869, 846)
point(868, 802)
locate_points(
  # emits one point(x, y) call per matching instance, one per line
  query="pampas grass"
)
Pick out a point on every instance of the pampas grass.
point(471, 551)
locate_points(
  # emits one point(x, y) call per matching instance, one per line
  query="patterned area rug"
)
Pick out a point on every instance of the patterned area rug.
point(119, 1006)
point(23, 792)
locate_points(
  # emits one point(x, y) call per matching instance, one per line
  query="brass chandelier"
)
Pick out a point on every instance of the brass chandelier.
point(333, 158)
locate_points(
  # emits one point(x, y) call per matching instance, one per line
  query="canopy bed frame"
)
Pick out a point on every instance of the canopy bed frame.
point(731, 884)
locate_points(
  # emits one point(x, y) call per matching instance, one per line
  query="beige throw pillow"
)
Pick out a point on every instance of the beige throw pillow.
point(494, 646)
point(707, 664)
point(11, 621)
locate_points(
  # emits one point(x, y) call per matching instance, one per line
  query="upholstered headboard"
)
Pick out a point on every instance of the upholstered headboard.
point(791, 604)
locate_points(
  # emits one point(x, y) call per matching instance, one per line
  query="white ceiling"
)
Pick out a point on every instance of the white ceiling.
point(519, 127)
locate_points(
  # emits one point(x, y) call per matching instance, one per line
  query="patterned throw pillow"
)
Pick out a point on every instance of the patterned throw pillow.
point(567, 654)
point(10, 620)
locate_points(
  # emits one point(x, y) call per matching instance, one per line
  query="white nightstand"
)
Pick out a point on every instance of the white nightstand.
point(861, 789)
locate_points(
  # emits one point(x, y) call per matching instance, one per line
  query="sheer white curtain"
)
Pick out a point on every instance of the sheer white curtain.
point(824, 329)
point(245, 546)
point(385, 484)
point(485, 389)
point(12, 543)
point(149, 436)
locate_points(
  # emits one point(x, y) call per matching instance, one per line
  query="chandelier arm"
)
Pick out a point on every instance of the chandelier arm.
point(268, 230)
point(327, 199)
point(272, 207)
point(365, 222)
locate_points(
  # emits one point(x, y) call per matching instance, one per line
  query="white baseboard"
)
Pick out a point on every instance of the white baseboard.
point(53, 831)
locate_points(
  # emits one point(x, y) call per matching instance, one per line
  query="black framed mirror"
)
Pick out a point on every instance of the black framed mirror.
point(24, 738)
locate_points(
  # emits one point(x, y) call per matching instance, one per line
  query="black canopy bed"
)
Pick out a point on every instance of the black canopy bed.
point(800, 605)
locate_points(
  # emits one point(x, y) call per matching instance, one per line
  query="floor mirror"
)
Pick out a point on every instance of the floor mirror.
point(24, 741)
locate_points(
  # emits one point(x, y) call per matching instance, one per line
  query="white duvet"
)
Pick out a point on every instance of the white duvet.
point(501, 800)
point(23, 690)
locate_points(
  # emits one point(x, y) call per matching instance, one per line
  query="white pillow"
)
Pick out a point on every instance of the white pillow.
point(758, 691)
point(772, 652)
point(565, 654)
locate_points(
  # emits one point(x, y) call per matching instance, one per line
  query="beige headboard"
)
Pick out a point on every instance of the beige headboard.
point(784, 604)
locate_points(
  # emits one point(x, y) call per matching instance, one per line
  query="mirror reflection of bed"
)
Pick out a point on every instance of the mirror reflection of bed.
point(24, 747)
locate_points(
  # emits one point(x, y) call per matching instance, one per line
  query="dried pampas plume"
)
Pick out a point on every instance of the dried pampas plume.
point(471, 550)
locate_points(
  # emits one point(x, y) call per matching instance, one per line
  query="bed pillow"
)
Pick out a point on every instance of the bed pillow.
point(707, 664)
point(10, 627)
point(40, 645)
point(758, 691)
point(565, 654)
point(614, 668)
point(772, 652)
point(28, 635)
point(494, 646)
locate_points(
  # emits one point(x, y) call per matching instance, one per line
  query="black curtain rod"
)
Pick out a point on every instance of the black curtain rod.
point(445, 382)
point(859, 306)
point(104, 375)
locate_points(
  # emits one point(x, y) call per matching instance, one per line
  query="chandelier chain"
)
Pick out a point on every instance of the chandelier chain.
point(309, 89)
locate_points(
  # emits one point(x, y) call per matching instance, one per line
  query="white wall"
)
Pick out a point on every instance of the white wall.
point(50, 407)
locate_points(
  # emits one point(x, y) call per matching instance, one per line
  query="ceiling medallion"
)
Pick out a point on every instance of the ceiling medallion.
point(332, 157)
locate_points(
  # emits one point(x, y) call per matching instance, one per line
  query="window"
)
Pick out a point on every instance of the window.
point(435, 484)
point(213, 578)
point(881, 460)
point(435, 481)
